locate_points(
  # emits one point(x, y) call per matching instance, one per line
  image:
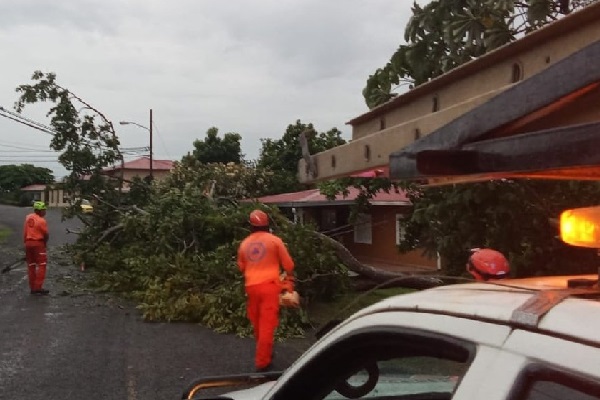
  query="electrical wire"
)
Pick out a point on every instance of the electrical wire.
point(162, 142)
point(13, 161)
point(30, 121)
point(23, 149)
point(25, 123)
point(39, 126)
point(29, 146)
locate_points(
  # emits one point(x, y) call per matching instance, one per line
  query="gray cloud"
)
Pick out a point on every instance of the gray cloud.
point(248, 66)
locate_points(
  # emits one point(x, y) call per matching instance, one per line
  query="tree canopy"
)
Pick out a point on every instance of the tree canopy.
point(13, 177)
point(281, 156)
point(444, 34)
point(216, 149)
point(83, 135)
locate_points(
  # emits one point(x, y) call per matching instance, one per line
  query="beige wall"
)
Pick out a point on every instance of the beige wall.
point(52, 197)
point(56, 198)
point(129, 174)
point(457, 92)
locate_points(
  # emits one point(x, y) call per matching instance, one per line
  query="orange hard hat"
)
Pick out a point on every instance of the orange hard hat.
point(259, 218)
point(486, 264)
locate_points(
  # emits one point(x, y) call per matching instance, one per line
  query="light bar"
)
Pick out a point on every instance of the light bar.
point(581, 227)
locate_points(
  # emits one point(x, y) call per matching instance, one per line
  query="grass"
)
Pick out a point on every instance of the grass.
point(4, 233)
point(349, 303)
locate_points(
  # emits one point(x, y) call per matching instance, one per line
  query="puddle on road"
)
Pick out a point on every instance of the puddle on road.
point(50, 315)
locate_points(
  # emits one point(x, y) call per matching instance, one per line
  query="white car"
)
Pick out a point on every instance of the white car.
point(532, 338)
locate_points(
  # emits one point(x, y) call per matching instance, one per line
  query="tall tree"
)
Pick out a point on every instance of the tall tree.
point(447, 33)
point(83, 135)
point(13, 177)
point(281, 156)
point(214, 149)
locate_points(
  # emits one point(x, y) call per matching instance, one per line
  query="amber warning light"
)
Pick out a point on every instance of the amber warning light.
point(581, 227)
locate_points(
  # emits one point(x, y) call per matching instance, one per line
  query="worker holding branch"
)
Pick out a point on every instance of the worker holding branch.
point(260, 257)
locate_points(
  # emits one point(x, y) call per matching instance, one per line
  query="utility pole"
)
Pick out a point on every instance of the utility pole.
point(151, 162)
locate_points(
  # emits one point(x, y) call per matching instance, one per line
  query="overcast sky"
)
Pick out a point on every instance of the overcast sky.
point(245, 66)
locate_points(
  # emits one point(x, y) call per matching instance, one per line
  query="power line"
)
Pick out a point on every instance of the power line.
point(28, 121)
point(162, 142)
point(22, 148)
point(28, 161)
point(24, 144)
point(25, 123)
point(39, 126)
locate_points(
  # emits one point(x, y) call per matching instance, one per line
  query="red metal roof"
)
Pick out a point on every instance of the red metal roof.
point(143, 163)
point(313, 197)
point(34, 188)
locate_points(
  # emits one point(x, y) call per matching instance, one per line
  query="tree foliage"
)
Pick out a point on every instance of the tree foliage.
point(177, 256)
point(281, 156)
point(444, 34)
point(214, 149)
point(517, 217)
point(14, 177)
point(84, 136)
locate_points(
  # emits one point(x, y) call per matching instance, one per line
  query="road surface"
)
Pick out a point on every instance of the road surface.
point(75, 344)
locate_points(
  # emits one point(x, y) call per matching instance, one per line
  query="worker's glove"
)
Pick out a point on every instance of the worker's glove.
point(287, 282)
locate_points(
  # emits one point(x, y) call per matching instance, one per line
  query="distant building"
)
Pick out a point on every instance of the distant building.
point(53, 194)
point(140, 168)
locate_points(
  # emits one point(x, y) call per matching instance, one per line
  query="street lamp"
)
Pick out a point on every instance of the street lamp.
point(149, 130)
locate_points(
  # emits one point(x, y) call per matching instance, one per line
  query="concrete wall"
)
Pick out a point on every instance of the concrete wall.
point(129, 174)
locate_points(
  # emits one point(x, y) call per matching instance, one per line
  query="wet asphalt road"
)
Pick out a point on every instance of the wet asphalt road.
point(75, 344)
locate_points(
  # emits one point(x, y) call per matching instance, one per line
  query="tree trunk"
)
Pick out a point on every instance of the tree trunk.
point(377, 275)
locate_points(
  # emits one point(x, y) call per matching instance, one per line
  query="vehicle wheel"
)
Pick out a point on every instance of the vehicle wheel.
point(353, 392)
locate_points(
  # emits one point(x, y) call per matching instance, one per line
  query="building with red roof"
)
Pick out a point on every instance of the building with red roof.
point(372, 239)
point(140, 167)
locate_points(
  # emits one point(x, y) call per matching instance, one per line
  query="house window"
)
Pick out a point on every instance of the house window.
point(435, 106)
point(400, 229)
point(363, 232)
point(298, 214)
point(382, 123)
point(517, 72)
point(417, 134)
point(328, 219)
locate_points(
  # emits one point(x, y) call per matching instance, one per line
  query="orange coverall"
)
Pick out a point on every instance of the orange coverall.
point(260, 256)
point(35, 236)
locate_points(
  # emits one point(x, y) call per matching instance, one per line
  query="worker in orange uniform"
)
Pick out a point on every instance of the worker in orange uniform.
point(260, 257)
point(487, 264)
point(35, 236)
